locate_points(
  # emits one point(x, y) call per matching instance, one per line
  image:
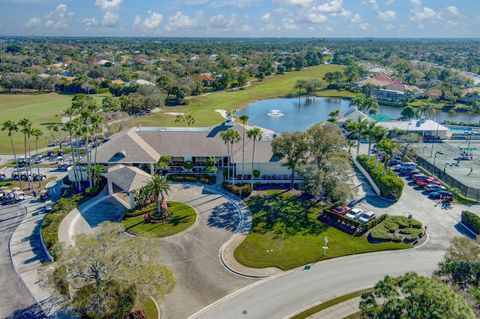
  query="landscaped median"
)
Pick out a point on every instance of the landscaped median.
point(183, 217)
point(391, 186)
point(287, 232)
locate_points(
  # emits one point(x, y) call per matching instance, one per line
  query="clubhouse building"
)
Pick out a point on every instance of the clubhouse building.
point(189, 149)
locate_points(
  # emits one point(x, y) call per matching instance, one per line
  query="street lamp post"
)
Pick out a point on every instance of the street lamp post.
point(435, 157)
point(445, 169)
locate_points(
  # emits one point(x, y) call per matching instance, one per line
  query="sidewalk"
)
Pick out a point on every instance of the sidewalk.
point(28, 256)
point(339, 311)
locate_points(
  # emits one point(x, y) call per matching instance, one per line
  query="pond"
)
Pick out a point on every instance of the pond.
point(298, 114)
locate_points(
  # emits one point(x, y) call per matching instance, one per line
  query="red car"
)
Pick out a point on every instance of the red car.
point(418, 177)
point(428, 181)
point(342, 210)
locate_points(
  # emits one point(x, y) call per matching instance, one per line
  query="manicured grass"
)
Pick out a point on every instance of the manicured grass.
point(41, 109)
point(183, 217)
point(203, 107)
point(357, 315)
point(148, 307)
point(330, 303)
point(286, 234)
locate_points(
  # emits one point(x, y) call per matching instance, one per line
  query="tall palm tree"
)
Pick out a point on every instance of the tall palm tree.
point(96, 120)
point(234, 138)
point(159, 187)
point(388, 147)
point(358, 131)
point(226, 137)
point(72, 127)
point(244, 119)
point(11, 127)
point(37, 133)
point(370, 131)
point(255, 134)
point(26, 125)
point(379, 134)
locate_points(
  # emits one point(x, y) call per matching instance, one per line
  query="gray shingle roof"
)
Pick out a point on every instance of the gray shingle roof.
point(128, 178)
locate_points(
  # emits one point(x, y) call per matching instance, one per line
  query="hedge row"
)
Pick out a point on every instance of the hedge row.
point(471, 220)
point(242, 190)
point(54, 218)
point(138, 212)
point(391, 186)
point(192, 178)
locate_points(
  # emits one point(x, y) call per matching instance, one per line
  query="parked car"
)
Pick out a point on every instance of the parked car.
point(2, 177)
point(48, 205)
point(43, 195)
point(441, 195)
point(434, 188)
point(354, 213)
point(394, 161)
point(419, 177)
point(342, 210)
point(39, 177)
point(366, 217)
point(428, 181)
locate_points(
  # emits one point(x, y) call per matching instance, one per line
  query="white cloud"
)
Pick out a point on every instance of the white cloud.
point(289, 24)
point(60, 17)
point(364, 26)
point(33, 22)
point(181, 21)
point(90, 22)
point(416, 3)
point(357, 18)
point(421, 14)
point(299, 3)
point(267, 17)
point(221, 21)
point(389, 15)
point(452, 10)
point(110, 9)
point(246, 28)
point(153, 21)
point(109, 5)
point(137, 21)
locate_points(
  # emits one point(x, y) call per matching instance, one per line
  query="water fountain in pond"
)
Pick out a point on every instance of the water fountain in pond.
point(275, 113)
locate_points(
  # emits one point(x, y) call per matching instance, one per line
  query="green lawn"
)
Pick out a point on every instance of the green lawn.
point(183, 217)
point(41, 109)
point(148, 307)
point(330, 303)
point(203, 107)
point(287, 234)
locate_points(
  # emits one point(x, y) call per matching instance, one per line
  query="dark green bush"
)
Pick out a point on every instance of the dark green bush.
point(471, 220)
point(138, 212)
point(397, 229)
point(391, 186)
point(243, 190)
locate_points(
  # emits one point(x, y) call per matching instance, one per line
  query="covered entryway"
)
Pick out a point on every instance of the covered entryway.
point(126, 179)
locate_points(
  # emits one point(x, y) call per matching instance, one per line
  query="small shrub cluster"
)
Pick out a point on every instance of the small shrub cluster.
point(472, 221)
point(243, 190)
point(137, 212)
point(389, 183)
point(192, 178)
point(397, 229)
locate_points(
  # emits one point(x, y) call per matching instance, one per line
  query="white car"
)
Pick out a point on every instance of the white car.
point(366, 217)
point(354, 213)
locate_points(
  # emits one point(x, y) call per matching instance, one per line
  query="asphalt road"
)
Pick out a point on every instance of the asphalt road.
point(283, 295)
point(16, 300)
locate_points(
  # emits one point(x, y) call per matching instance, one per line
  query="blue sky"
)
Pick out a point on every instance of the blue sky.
point(242, 18)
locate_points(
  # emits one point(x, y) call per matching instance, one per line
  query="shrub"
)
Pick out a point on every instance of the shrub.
point(411, 231)
point(391, 186)
point(188, 165)
point(138, 212)
point(471, 220)
point(192, 178)
point(243, 190)
point(397, 229)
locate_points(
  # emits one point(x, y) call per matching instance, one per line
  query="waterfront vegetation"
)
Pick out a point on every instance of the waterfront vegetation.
point(286, 234)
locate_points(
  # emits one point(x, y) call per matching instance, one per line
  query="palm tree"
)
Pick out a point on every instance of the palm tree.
point(96, 120)
point(358, 130)
point(427, 109)
point(37, 133)
point(226, 137)
point(26, 125)
point(234, 138)
point(388, 147)
point(379, 134)
point(11, 127)
point(244, 119)
point(333, 116)
point(159, 187)
point(370, 131)
point(255, 134)
point(72, 127)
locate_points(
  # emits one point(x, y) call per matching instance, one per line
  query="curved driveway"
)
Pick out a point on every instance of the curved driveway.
point(192, 255)
point(283, 295)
